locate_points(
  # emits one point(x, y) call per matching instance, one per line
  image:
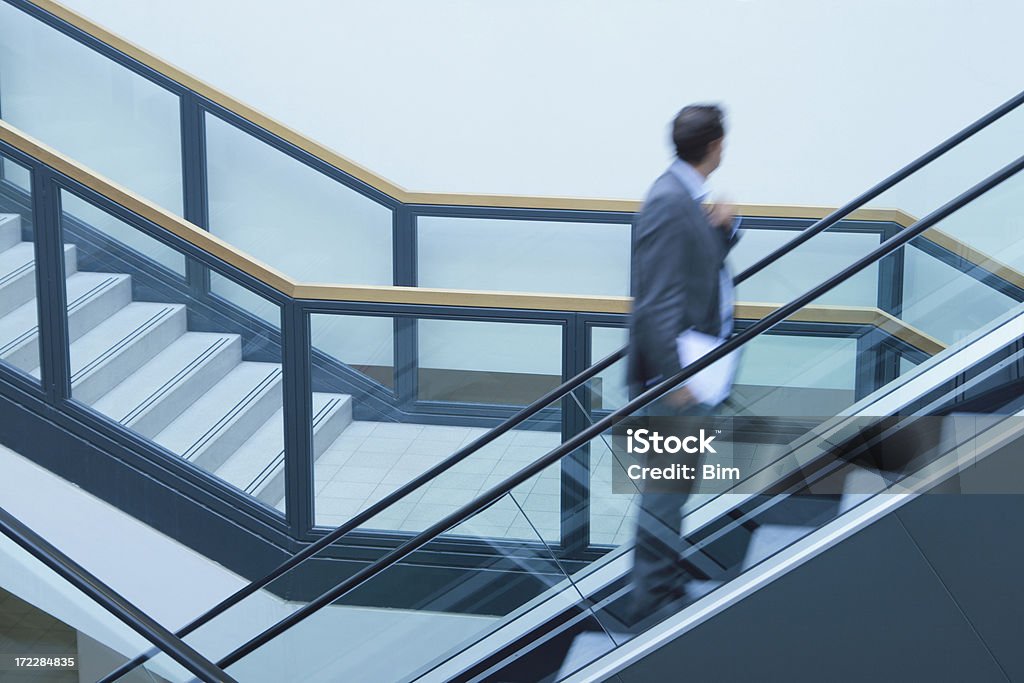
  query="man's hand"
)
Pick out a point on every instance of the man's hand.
point(721, 214)
point(680, 398)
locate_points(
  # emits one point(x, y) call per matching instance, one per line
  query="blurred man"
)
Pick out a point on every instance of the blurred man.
point(682, 292)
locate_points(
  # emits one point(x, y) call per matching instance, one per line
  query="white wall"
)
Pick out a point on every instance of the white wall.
point(572, 97)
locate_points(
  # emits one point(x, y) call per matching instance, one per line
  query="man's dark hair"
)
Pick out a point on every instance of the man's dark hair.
point(694, 128)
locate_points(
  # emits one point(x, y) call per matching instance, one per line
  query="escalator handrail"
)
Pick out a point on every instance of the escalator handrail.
point(572, 384)
point(110, 600)
point(499, 490)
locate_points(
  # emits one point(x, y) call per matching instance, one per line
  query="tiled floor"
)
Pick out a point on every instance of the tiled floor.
point(28, 632)
point(371, 459)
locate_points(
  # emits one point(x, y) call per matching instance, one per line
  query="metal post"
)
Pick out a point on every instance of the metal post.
point(298, 419)
point(54, 352)
point(889, 299)
point(404, 250)
point(575, 486)
point(194, 186)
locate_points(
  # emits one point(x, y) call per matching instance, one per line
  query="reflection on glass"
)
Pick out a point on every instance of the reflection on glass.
point(180, 369)
point(383, 621)
point(368, 442)
point(796, 375)
point(502, 254)
point(954, 172)
point(19, 312)
point(806, 266)
point(488, 362)
point(90, 108)
point(608, 389)
point(305, 224)
point(358, 433)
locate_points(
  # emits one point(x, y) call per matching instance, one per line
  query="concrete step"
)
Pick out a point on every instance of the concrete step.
point(10, 230)
point(770, 539)
point(162, 389)
point(18, 274)
point(216, 425)
point(258, 466)
point(112, 351)
point(92, 298)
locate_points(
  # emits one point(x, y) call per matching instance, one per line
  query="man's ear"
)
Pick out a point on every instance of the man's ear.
point(715, 147)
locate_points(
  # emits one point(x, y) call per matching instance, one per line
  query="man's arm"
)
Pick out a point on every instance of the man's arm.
point(664, 244)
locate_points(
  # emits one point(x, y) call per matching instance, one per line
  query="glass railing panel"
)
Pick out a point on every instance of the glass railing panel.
point(392, 421)
point(507, 363)
point(808, 265)
point(82, 218)
point(503, 254)
point(797, 374)
point(304, 223)
point(90, 108)
point(385, 621)
point(958, 169)
point(608, 391)
point(19, 307)
point(51, 631)
point(189, 371)
point(360, 432)
point(483, 576)
point(951, 290)
point(945, 301)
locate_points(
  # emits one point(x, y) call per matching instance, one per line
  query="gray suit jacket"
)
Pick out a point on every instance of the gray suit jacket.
point(676, 258)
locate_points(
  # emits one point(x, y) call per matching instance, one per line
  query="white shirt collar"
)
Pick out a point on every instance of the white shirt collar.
point(692, 180)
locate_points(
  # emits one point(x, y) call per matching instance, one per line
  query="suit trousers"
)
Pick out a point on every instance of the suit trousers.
point(659, 575)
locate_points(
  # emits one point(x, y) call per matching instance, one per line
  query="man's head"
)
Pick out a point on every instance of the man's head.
point(698, 132)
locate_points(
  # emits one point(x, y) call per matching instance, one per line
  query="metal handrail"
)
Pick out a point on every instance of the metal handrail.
point(107, 598)
point(496, 492)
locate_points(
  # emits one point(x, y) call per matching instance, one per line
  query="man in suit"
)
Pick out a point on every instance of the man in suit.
point(680, 284)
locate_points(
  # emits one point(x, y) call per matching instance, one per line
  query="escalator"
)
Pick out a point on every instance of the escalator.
point(481, 592)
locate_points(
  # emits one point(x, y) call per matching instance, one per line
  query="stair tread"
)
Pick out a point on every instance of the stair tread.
point(119, 329)
point(20, 256)
point(263, 453)
point(20, 326)
point(15, 258)
point(17, 274)
point(10, 230)
point(152, 380)
point(218, 406)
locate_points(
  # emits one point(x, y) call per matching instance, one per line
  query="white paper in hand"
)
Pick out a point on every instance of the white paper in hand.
point(711, 385)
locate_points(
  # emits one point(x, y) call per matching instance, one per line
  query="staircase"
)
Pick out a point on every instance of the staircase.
point(137, 363)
